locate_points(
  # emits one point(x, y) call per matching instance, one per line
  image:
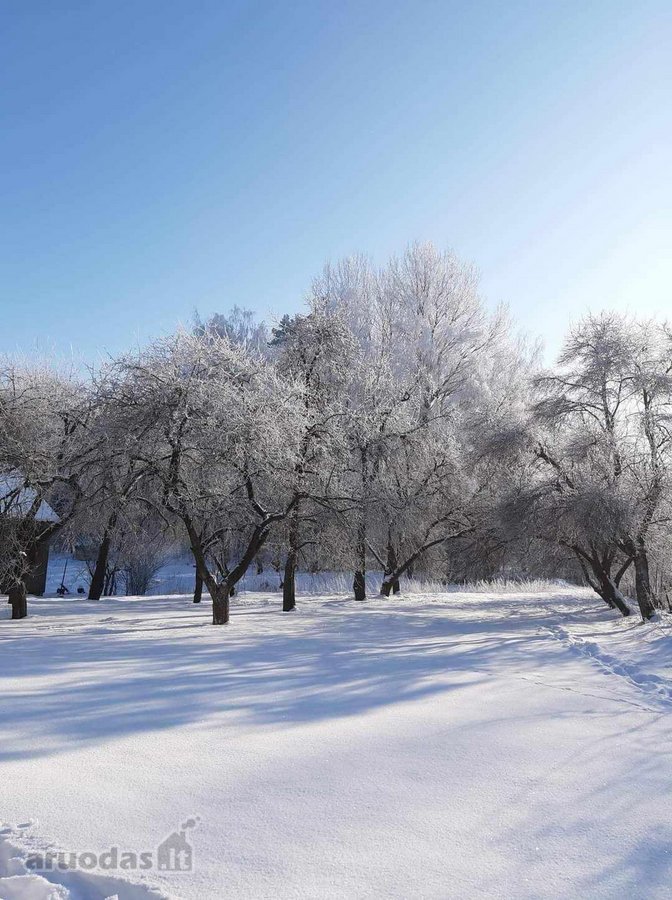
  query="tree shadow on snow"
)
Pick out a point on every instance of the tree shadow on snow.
point(110, 676)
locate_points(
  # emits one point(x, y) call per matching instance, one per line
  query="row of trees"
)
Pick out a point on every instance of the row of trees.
point(395, 424)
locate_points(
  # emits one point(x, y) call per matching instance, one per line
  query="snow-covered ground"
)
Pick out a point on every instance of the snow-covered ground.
point(512, 745)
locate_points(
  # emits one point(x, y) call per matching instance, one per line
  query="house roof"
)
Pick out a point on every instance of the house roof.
point(16, 500)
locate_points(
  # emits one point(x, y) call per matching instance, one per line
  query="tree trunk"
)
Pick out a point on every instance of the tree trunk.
point(645, 600)
point(643, 584)
point(97, 586)
point(390, 586)
point(98, 579)
point(289, 582)
point(222, 592)
point(618, 577)
point(612, 596)
point(289, 577)
point(110, 587)
point(390, 580)
point(359, 585)
point(18, 600)
point(597, 573)
point(198, 587)
point(359, 581)
point(220, 605)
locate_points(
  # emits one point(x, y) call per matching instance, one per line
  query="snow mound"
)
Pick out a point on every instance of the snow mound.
point(18, 883)
point(31, 887)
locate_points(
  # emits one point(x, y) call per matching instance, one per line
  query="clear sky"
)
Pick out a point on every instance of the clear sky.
point(158, 156)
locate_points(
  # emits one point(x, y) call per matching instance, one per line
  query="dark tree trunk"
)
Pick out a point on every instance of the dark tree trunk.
point(18, 600)
point(597, 572)
point(359, 581)
point(388, 587)
point(636, 549)
point(222, 592)
point(30, 544)
point(289, 583)
point(643, 584)
point(198, 587)
point(611, 595)
point(618, 577)
point(289, 577)
point(110, 587)
point(220, 605)
point(98, 579)
point(100, 571)
point(593, 581)
point(390, 580)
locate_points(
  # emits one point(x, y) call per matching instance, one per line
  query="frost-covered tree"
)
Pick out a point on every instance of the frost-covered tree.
point(421, 341)
point(240, 326)
point(312, 350)
point(604, 445)
point(370, 398)
point(49, 445)
point(218, 433)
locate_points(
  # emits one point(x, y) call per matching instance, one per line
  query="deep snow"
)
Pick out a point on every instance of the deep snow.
point(459, 745)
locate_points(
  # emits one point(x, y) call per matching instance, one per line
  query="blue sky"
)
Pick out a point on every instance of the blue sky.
point(162, 156)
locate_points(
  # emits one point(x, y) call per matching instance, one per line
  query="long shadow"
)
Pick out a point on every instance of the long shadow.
point(619, 824)
point(120, 675)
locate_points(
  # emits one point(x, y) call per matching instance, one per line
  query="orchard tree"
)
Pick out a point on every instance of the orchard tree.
point(220, 434)
point(605, 443)
point(420, 337)
point(49, 445)
point(312, 350)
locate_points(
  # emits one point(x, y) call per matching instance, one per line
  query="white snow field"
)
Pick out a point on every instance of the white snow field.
point(512, 745)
